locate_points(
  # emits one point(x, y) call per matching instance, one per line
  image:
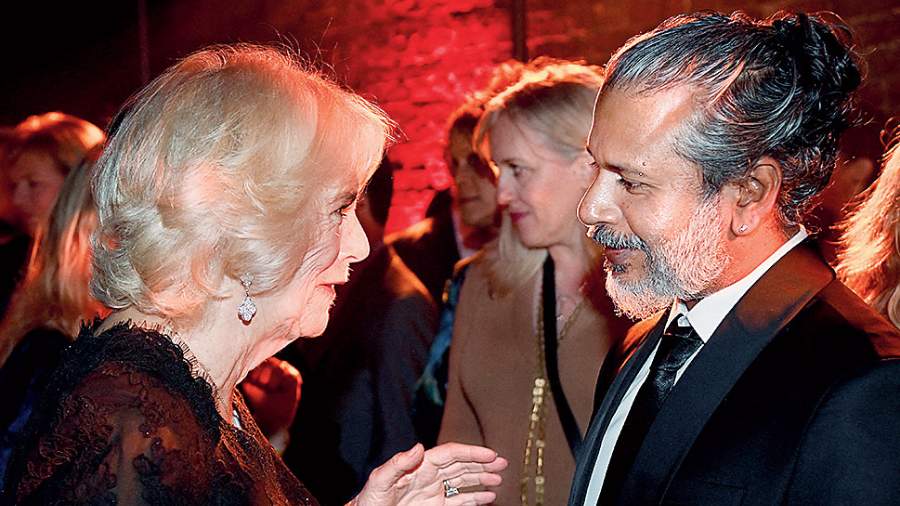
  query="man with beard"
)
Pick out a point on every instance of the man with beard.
point(755, 376)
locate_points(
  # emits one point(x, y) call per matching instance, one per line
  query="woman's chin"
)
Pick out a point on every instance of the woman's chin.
point(311, 329)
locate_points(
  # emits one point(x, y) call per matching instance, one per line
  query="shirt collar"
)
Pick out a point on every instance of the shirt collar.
point(709, 312)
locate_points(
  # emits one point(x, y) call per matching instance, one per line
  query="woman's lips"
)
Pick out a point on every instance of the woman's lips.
point(516, 216)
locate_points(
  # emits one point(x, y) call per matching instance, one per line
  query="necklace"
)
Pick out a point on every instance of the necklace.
point(536, 441)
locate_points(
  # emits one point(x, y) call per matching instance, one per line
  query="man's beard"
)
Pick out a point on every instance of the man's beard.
point(684, 267)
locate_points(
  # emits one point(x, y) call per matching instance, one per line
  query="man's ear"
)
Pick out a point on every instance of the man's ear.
point(755, 196)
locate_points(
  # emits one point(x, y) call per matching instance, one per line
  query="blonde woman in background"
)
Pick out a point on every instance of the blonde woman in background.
point(869, 260)
point(35, 158)
point(48, 307)
point(44, 149)
point(526, 336)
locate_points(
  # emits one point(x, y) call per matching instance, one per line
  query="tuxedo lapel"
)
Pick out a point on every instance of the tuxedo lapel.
point(757, 318)
point(634, 357)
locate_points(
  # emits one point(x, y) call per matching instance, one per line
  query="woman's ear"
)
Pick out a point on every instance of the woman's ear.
point(755, 196)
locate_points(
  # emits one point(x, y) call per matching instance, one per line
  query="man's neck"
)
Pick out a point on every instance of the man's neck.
point(773, 250)
point(748, 252)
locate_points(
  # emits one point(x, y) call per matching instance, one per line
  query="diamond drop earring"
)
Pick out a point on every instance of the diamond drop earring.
point(247, 309)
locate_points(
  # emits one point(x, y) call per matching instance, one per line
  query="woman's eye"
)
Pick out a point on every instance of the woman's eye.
point(344, 211)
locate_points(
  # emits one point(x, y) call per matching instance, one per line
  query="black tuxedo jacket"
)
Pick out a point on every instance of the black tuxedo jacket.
point(795, 399)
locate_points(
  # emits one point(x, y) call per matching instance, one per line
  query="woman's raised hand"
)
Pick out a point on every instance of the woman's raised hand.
point(433, 477)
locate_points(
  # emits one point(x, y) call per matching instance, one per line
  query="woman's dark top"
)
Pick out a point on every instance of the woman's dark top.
point(23, 378)
point(127, 419)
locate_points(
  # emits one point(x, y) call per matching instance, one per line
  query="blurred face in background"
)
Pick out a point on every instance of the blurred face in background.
point(476, 193)
point(538, 186)
point(9, 215)
point(34, 181)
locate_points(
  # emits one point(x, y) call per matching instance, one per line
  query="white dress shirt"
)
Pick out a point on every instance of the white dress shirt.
point(705, 317)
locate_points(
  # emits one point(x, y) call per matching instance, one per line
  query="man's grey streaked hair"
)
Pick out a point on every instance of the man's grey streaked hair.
point(780, 87)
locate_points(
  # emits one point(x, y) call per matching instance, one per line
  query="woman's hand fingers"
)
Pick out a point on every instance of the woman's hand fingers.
point(415, 477)
point(397, 467)
point(473, 479)
point(448, 453)
point(471, 499)
point(458, 468)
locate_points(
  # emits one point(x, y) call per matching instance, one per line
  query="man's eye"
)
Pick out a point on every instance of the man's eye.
point(629, 185)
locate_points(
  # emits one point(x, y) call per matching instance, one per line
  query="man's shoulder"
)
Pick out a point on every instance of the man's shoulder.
point(842, 318)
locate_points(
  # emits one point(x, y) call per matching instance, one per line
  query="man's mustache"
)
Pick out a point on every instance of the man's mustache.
point(603, 235)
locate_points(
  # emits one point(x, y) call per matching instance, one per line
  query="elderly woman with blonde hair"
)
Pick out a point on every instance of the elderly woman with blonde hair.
point(533, 320)
point(869, 258)
point(226, 202)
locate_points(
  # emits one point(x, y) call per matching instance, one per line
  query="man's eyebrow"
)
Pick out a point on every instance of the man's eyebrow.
point(616, 167)
point(625, 169)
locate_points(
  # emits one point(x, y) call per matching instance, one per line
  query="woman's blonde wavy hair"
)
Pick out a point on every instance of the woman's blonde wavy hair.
point(54, 292)
point(64, 138)
point(224, 166)
point(869, 259)
point(556, 99)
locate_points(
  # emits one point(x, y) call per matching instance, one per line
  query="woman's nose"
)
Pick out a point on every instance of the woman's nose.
point(504, 189)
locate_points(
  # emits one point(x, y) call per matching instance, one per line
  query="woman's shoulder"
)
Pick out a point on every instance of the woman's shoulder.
point(126, 393)
point(125, 361)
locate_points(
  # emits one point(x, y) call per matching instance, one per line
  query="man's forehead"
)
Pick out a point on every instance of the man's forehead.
point(647, 117)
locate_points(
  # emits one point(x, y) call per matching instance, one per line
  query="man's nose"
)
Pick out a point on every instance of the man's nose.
point(598, 205)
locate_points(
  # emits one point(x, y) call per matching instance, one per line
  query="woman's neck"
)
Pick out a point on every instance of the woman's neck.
point(571, 267)
point(224, 365)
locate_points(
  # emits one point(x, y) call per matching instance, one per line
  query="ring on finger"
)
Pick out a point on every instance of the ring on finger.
point(448, 490)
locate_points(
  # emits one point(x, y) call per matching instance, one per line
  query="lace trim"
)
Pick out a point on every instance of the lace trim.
point(198, 387)
point(217, 465)
point(197, 369)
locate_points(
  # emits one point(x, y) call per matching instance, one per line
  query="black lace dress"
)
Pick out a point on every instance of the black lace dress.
point(126, 419)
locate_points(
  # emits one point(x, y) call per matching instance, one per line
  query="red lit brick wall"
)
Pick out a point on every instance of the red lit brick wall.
point(415, 58)
point(593, 29)
point(418, 60)
point(433, 58)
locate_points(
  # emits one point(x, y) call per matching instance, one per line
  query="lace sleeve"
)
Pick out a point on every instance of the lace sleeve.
point(119, 437)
